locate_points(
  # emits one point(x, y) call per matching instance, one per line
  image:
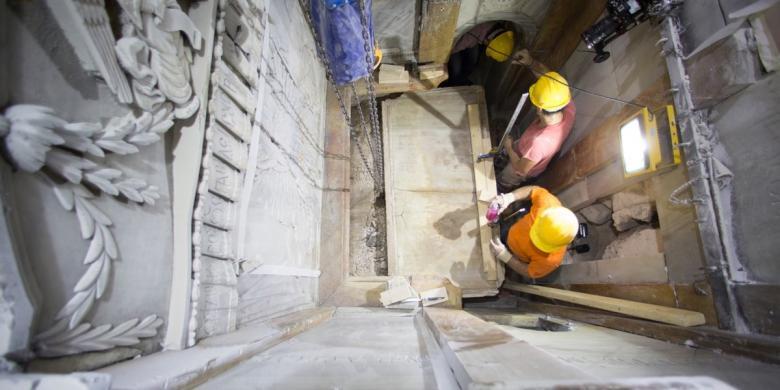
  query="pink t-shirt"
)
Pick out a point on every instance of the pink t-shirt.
point(540, 143)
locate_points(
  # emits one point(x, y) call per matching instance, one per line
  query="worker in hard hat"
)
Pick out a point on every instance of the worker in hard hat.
point(533, 239)
point(542, 139)
point(494, 40)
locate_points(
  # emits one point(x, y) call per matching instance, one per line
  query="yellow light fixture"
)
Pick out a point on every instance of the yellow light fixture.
point(649, 141)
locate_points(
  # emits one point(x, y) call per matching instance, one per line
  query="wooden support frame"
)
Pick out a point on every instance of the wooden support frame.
point(636, 309)
point(485, 186)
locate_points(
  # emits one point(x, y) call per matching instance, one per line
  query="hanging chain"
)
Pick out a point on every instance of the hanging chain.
point(374, 147)
point(305, 7)
point(375, 128)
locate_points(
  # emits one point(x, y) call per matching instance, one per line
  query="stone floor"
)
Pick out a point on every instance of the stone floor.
point(611, 354)
point(357, 349)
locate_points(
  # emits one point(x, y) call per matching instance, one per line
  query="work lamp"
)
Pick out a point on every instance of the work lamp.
point(649, 141)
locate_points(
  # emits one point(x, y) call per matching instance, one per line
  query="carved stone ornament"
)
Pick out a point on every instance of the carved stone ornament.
point(34, 137)
point(154, 54)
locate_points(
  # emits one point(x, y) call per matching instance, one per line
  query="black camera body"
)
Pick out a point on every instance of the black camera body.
point(622, 15)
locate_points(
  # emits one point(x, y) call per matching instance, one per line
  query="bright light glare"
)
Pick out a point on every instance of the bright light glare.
point(634, 147)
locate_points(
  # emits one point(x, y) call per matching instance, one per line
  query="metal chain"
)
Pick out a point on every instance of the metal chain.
point(305, 7)
point(375, 128)
point(372, 146)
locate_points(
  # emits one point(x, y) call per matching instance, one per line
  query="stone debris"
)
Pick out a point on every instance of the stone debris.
point(597, 214)
point(629, 209)
point(636, 243)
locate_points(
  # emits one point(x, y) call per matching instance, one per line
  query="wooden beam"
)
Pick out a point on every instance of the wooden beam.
point(437, 30)
point(682, 296)
point(642, 310)
point(752, 346)
point(485, 186)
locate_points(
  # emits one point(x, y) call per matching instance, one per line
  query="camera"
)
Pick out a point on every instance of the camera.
point(622, 15)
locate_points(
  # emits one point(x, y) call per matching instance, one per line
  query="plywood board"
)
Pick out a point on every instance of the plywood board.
point(431, 196)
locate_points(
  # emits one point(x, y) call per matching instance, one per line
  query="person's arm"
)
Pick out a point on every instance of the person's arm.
point(502, 254)
point(523, 193)
point(519, 267)
point(521, 165)
point(523, 57)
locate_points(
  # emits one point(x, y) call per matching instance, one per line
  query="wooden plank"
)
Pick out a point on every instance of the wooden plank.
point(650, 268)
point(682, 296)
point(414, 84)
point(437, 30)
point(485, 188)
point(481, 354)
point(642, 310)
point(752, 346)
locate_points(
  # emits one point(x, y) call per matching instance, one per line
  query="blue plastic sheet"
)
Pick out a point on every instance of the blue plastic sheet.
point(341, 31)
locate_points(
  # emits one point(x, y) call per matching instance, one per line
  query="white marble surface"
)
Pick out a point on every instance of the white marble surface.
point(357, 349)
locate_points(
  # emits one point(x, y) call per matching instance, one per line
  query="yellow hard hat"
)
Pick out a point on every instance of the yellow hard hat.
point(501, 47)
point(550, 92)
point(377, 55)
point(553, 229)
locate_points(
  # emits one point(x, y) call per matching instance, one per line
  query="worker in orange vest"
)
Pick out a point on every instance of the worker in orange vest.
point(533, 239)
point(542, 139)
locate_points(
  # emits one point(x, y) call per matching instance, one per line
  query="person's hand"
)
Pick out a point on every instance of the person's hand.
point(499, 250)
point(503, 201)
point(508, 141)
point(522, 57)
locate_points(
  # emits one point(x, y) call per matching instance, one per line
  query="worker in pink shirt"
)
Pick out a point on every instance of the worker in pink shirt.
point(538, 144)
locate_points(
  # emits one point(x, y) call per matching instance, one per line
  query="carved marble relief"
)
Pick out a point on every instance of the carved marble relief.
point(217, 211)
point(35, 137)
point(224, 180)
point(86, 22)
point(227, 147)
point(75, 158)
point(153, 51)
point(227, 113)
point(235, 83)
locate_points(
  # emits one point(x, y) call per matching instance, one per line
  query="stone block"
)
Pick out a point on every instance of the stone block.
point(629, 217)
point(722, 68)
point(596, 214)
point(626, 199)
point(637, 243)
point(393, 74)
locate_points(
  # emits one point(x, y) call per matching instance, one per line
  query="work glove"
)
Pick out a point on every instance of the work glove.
point(503, 201)
point(499, 250)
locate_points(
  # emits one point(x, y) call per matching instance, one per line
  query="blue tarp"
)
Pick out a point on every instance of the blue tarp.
point(341, 31)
